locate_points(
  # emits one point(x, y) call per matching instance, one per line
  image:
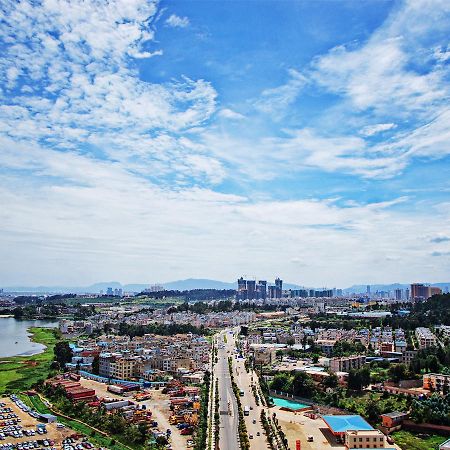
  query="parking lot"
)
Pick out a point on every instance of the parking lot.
point(21, 429)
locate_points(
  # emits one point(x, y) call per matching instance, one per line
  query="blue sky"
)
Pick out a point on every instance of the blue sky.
point(145, 142)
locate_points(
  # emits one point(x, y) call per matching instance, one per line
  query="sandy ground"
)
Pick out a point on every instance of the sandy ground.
point(298, 426)
point(28, 422)
point(158, 405)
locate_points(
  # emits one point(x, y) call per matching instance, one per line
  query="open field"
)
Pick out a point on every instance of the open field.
point(19, 373)
point(410, 441)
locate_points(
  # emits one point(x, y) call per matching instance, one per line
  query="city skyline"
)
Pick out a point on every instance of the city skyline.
point(145, 140)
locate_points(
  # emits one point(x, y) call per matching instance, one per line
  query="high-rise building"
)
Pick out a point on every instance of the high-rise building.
point(279, 287)
point(422, 292)
point(251, 289)
point(241, 293)
point(368, 289)
point(261, 289)
point(407, 294)
point(398, 294)
point(435, 291)
point(419, 291)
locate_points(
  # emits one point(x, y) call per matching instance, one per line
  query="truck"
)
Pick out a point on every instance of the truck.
point(115, 389)
point(246, 410)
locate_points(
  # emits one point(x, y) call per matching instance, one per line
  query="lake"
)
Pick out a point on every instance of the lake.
point(15, 339)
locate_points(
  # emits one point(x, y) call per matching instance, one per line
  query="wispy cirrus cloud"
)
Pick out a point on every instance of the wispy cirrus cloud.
point(276, 101)
point(371, 130)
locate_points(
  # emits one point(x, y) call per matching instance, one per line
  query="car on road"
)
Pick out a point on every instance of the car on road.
point(250, 436)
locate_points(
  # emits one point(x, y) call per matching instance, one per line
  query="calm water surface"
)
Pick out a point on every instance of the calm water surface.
point(15, 339)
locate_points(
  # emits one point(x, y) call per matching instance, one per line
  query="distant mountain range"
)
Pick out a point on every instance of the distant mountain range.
point(180, 285)
point(183, 285)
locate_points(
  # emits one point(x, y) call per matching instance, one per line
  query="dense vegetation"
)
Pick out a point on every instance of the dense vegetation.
point(295, 383)
point(434, 409)
point(131, 330)
point(432, 359)
point(191, 295)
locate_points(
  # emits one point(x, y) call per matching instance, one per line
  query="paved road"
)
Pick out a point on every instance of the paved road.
point(228, 436)
point(244, 382)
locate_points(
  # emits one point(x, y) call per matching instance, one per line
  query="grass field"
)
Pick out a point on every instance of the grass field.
point(410, 441)
point(19, 373)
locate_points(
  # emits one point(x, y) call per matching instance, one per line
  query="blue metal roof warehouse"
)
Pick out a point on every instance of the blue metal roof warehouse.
point(338, 425)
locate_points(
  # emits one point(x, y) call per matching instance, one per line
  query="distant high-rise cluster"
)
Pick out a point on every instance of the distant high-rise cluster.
point(252, 290)
point(117, 292)
point(421, 291)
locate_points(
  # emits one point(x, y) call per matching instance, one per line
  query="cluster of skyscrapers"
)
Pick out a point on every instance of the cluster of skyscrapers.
point(252, 290)
point(422, 291)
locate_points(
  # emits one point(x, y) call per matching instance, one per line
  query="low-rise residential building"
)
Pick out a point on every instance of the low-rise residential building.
point(347, 363)
point(408, 356)
point(117, 365)
point(436, 382)
point(393, 420)
point(364, 439)
point(425, 337)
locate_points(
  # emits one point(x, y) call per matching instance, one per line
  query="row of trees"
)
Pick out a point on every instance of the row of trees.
point(202, 431)
point(191, 295)
point(126, 329)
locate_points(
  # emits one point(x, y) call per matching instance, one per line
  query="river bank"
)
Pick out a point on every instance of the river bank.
point(19, 373)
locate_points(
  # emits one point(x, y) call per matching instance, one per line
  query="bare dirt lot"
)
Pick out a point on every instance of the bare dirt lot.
point(158, 405)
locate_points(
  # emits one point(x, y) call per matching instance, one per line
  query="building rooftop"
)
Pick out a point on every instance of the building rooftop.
point(394, 414)
point(341, 424)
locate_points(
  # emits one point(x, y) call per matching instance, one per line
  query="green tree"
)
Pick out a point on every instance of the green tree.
point(332, 381)
point(358, 379)
point(302, 385)
point(281, 382)
point(63, 353)
point(96, 364)
point(398, 372)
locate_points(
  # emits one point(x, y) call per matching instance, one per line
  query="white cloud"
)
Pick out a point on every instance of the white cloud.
point(177, 21)
point(91, 94)
point(276, 101)
point(371, 130)
point(227, 113)
point(98, 211)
